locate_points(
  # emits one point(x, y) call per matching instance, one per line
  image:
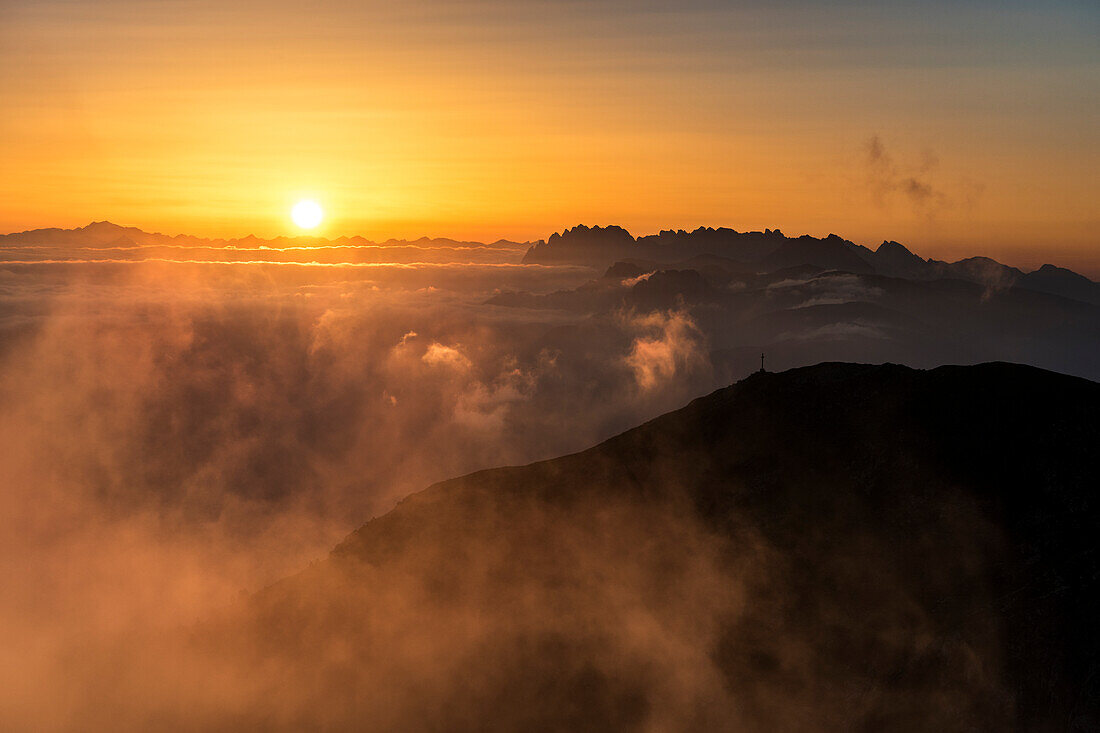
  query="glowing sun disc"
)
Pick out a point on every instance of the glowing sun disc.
point(307, 214)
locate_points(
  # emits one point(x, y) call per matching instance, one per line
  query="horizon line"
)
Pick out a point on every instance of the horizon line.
point(1090, 271)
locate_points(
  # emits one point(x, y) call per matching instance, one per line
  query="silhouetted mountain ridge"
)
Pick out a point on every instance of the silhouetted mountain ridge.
point(837, 547)
point(1063, 282)
point(101, 233)
point(602, 246)
point(771, 250)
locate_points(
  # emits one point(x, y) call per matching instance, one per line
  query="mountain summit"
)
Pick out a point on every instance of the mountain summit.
point(833, 548)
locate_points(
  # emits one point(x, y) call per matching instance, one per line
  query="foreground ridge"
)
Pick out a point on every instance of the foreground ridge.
point(917, 536)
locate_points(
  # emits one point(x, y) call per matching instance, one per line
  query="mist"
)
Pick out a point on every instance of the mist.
point(177, 436)
point(187, 435)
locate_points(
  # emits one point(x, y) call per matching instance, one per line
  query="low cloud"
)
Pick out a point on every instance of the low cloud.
point(667, 345)
point(179, 435)
point(837, 289)
point(445, 356)
point(629, 282)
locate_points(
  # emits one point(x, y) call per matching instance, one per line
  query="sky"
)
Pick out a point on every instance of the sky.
point(956, 128)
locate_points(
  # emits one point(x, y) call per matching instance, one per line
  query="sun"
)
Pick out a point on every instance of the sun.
point(307, 213)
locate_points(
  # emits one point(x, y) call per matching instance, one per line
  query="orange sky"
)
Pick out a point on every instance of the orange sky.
point(513, 119)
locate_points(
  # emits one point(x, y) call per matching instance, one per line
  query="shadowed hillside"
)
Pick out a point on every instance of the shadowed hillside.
point(838, 547)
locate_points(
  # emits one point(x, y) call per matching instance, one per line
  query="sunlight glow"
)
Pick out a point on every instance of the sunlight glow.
point(307, 214)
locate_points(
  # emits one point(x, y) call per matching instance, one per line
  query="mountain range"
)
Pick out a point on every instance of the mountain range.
point(598, 247)
point(827, 301)
point(800, 300)
point(109, 234)
point(770, 250)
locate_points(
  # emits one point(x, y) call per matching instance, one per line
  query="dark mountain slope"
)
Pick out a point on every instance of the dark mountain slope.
point(831, 253)
point(895, 260)
point(1063, 282)
point(838, 547)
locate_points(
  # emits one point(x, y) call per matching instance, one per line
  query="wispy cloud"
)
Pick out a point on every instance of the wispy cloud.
point(915, 183)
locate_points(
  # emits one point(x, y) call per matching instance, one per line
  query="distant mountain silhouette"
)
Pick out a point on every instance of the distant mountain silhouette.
point(1063, 282)
point(741, 246)
point(596, 246)
point(833, 548)
point(600, 246)
point(980, 270)
point(703, 249)
point(895, 260)
point(806, 313)
point(770, 250)
point(103, 233)
point(831, 253)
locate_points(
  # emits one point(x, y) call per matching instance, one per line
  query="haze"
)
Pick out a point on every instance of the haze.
point(581, 365)
point(513, 119)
